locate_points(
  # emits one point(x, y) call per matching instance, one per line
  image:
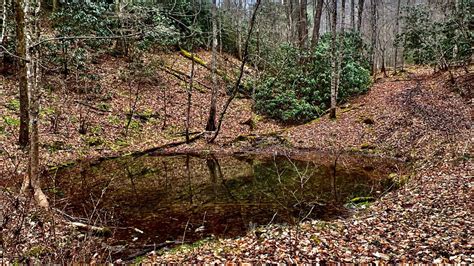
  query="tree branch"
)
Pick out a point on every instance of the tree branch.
point(241, 73)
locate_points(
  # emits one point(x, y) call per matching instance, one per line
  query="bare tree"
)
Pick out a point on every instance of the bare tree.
point(317, 23)
point(189, 93)
point(373, 43)
point(240, 7)
point(241, 71)
point(4, 22)
point(294, 9)
point(302, 23)
point(32, 30)
point(395, 46)
point(340, 48)
point(289, 19)
point(211, 121)
point(360, 11)
point(21, 52)
point(334, 71)
point(353, 14)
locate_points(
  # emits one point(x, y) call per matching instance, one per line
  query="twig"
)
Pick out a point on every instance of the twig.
point(185, 228)
point(274, 215)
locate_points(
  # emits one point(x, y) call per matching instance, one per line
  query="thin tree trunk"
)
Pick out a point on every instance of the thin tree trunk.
point(289, 20)
point(343, 16)
point(384, 70)
point(211, 121)
point(165, 113)
point(373, 46)
point(3, 34)
point(340, 48)
point(21, 51)
point(4, 22)
point(302, 24)
point(295, 11)
point(239, 28)
point(353, 14)
point(317, 23)
point(241, 73)
point(332, 113)
point(397, 25)
point(190, 91)
point(328, 18)
point(33, 74)
point(360, 10)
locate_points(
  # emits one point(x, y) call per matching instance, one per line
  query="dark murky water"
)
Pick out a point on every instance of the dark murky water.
point(194, 196)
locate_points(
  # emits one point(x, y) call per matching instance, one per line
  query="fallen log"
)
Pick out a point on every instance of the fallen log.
point(203, 63)
point(96, 230)
point(170, 145)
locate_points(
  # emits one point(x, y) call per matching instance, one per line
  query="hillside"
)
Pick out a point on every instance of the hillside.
point(417, 117)
point(101, 108)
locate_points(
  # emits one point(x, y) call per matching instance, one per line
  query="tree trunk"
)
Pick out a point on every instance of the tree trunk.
point(289, 19)
point(55, 5)
point(211, 121)
point(384, 70)
point(334, 71)
point(239, 26)
point(295, 11)
point(33, 77)
point(317, 23)
point(22, 82)
point(353, 14)
point(340, 48)
point(241, 72)
point(302, 24)
point(397, 25)
point(4, 22)
point(360, 10)
point(3, 35)
point(188, 108)
point(373, 46)
point(343, 16)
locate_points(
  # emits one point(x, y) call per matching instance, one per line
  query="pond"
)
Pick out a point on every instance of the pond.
point(151, 199)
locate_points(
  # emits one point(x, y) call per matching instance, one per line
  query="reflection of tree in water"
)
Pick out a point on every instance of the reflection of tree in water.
point(162, 195)
point(216, 176)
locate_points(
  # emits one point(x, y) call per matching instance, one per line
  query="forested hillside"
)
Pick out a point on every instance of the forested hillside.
point(257, 131)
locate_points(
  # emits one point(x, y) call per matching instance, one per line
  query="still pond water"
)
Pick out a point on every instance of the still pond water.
point(192, 196)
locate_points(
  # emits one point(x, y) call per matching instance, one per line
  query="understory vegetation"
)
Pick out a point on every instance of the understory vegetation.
point(294, 92)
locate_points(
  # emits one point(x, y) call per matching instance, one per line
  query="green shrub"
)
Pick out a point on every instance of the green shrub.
point(13, 105)
point(11, 121)
point(300, 90)
point(437, 43)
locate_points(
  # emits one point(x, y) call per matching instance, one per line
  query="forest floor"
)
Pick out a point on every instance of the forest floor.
point(416, 117)
point(429, 220)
